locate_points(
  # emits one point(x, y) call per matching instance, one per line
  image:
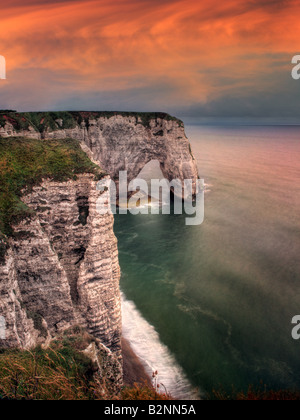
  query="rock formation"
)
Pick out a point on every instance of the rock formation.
point(116, 141)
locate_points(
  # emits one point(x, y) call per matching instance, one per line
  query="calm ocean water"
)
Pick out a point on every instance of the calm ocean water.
point(211, 306)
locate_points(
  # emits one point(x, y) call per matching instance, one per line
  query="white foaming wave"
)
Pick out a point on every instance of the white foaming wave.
point(154, 355)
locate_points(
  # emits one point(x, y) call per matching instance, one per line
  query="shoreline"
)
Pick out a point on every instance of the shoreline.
point(148, 354)
point(133, 369)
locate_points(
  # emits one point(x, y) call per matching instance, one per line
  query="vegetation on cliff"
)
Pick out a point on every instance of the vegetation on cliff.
point(43, 121)
point(63, 371)
point(24, 163)
point(59, 372)
point(143, 118)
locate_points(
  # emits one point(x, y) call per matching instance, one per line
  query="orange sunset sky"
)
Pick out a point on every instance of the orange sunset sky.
point(186, 57)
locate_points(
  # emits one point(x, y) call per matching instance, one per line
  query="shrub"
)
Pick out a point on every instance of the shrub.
point(143, 393)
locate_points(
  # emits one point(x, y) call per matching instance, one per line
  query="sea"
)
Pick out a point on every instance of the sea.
point(210, 307)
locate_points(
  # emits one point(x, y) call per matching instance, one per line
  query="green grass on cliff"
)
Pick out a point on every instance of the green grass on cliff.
point(58, 373)
point(24, 163)
point(40, 121)
point(63, 372)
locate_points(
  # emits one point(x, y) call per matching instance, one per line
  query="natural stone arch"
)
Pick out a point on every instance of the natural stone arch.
point(122, 144)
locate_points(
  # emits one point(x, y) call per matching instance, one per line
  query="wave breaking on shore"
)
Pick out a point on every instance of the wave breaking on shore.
point(154, 355)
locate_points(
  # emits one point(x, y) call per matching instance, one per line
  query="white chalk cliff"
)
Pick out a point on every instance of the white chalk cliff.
point(62, 268)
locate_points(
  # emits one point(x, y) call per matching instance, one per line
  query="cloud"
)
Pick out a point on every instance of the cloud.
point(171, 54)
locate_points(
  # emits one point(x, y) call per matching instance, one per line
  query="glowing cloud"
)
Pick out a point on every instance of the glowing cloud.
point(144, 54)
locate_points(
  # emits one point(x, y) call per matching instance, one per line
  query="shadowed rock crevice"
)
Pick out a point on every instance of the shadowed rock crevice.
point(80, 252)
point(83, 209)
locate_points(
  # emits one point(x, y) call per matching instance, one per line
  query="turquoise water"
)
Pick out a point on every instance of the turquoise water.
point(221, 295)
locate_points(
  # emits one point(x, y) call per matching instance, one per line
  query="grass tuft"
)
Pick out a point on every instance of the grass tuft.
point(62, 372)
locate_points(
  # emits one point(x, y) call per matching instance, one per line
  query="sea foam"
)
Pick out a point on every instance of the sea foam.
point(154, 355)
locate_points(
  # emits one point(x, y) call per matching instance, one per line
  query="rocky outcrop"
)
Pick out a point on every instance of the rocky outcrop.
point(119, 141)
point(108, 375)
point(62, 268)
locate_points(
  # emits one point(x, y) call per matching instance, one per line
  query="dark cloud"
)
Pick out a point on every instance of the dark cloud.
point(281, 101)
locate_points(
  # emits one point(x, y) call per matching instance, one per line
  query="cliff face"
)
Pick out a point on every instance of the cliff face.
point(19, 329)
point(62, 268)
point(117, 142)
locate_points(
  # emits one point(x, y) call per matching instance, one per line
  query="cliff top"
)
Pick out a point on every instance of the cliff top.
point(24, 163)
point(41, 121)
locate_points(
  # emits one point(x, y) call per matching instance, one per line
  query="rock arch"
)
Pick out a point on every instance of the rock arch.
point(122, 143)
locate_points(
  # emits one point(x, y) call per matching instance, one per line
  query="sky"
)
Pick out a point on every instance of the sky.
point(185, 57)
